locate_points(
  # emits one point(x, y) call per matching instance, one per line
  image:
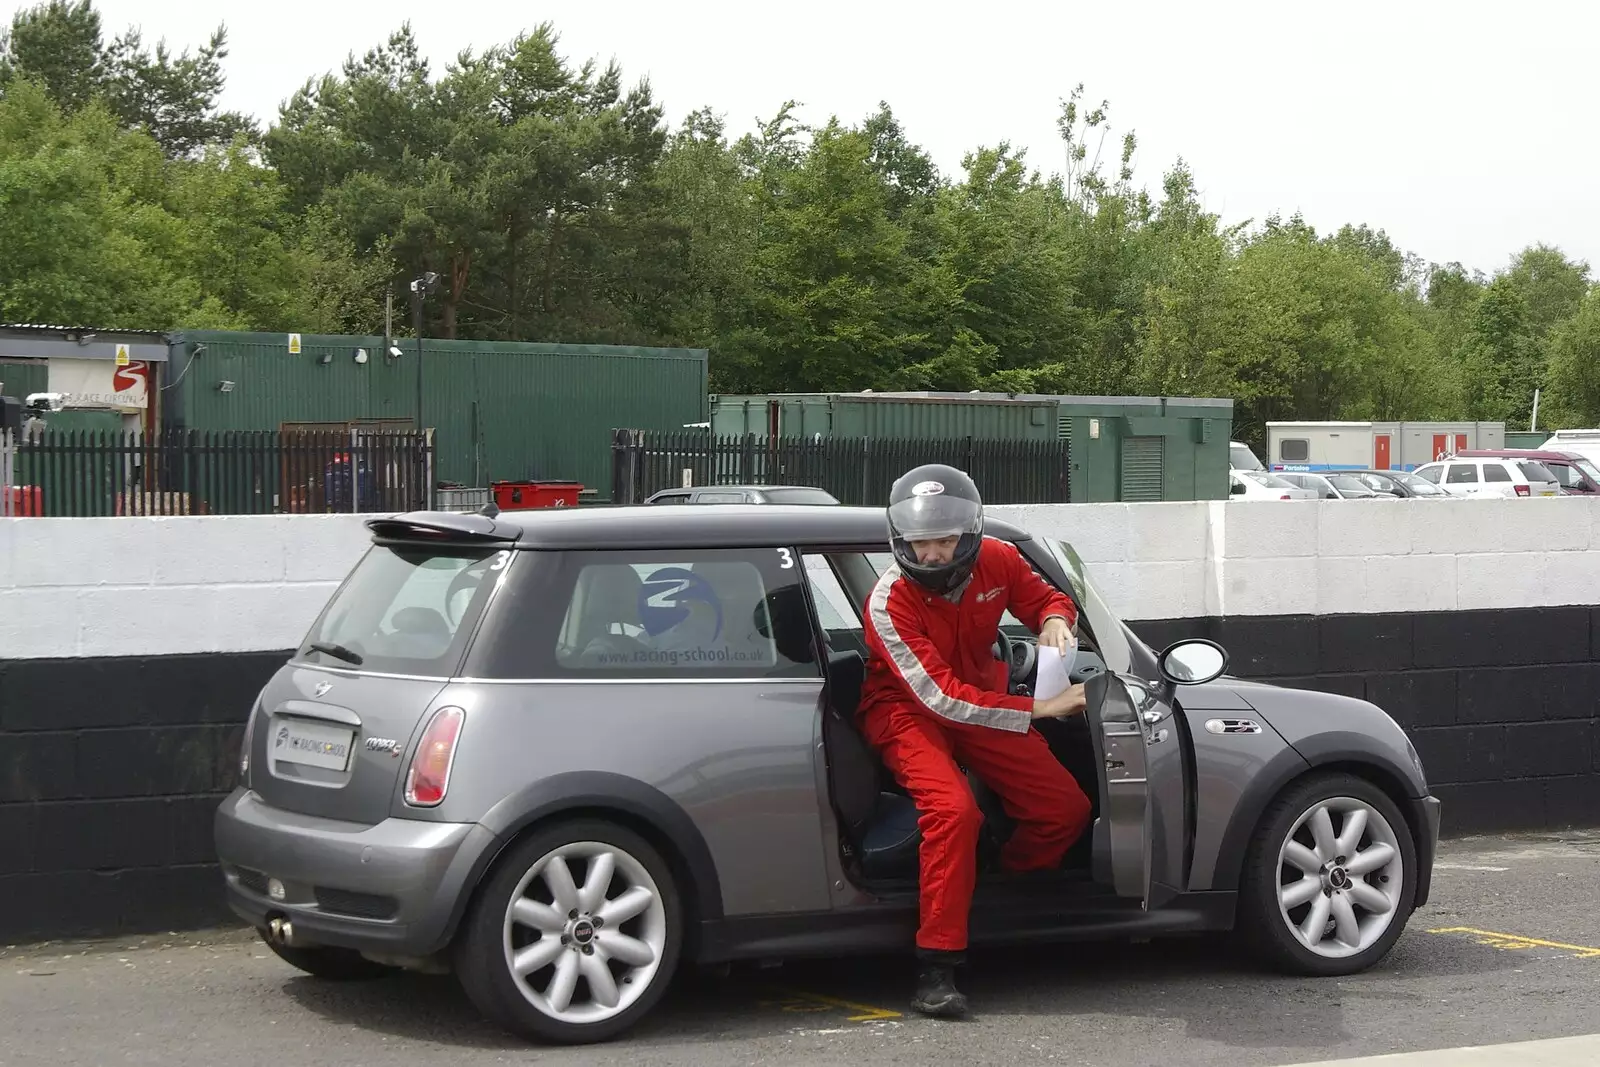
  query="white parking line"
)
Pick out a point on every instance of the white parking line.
point(1466, 867)
point(1552, 1052)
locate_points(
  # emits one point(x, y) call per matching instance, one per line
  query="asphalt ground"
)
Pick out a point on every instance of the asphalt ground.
point(1508, 951)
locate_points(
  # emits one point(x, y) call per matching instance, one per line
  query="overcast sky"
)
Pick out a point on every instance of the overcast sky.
point(1467, 130)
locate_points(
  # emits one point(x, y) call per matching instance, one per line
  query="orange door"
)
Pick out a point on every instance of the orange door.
point(1438, 445)
point(1461, 442)
point(1380, 452)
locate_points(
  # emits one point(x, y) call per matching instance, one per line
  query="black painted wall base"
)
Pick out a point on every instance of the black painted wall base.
point(111, 769)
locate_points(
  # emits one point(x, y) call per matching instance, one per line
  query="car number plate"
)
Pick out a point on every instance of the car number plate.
point(314, 744)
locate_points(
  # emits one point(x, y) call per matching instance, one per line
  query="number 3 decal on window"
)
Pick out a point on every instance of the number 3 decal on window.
point(788, 559)
point(501, 558)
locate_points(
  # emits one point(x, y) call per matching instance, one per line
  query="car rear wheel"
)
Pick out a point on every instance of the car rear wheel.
point(1330, 878)
point(575, 936)
point(333, 964)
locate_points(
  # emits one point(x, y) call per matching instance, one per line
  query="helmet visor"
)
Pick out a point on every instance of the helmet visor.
point(928, 518)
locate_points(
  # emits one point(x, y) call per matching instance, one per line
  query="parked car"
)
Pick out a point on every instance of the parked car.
point(1261, 485)
point(1399, 484)
point(1574, 473)
point(1335, 485)
point(1241, 458)
point(1491, 477)
point(563, 752)
point(744, 494)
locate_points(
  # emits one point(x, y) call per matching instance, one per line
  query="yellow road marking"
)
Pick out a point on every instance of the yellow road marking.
point(1513, 942)
point(815, 1002)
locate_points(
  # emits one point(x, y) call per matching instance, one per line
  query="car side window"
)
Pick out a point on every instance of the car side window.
point(1462, 473)
point(1429, 474)
point(722, 497)
point(673, 498)
point(654, 614)
point(1493, 472)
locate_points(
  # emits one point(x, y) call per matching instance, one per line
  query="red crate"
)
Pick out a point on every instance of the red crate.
point(520, 496)
point(26, 501)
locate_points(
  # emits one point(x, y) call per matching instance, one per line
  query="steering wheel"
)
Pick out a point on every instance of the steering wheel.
point(1019, 656)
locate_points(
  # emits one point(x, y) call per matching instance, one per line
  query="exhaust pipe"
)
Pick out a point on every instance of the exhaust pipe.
point(281, 931)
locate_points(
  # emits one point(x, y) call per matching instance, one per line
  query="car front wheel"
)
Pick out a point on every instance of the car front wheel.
point(575, 936)
point(1330, 878)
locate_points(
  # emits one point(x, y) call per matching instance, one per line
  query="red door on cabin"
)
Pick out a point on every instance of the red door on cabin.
point(1380, 452)
point(1461, 442)
point(1438, 445)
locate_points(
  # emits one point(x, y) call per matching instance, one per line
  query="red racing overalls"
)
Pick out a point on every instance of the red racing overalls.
point(935, 700)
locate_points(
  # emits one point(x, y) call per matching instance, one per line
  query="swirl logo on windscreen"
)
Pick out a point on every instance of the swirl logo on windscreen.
point(667, 599)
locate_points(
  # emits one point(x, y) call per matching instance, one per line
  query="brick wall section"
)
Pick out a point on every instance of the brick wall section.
point(1501, 704)
point(110, 772)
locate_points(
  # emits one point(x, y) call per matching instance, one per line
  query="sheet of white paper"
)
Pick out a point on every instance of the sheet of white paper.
point(1053, 670)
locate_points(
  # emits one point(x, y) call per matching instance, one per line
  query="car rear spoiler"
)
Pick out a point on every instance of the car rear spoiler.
point(442, 526)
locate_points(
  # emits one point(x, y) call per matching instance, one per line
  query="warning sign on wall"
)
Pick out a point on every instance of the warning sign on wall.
point(122, 356)
point(294, 344)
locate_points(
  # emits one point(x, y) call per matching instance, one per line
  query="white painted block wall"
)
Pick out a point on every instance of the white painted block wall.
point(158, 586)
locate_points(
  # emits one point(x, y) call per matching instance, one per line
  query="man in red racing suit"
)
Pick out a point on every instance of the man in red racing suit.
point(936, 696)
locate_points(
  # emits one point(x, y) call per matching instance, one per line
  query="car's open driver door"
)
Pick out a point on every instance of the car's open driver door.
point(1124, 830)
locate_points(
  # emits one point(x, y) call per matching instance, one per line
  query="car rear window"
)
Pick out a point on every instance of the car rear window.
point(1535, 471)
point(405, 609)
point(1494, 472)
point(800, 496)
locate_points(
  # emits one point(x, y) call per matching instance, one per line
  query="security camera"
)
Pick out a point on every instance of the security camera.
point(42, 402)
point(394, 352)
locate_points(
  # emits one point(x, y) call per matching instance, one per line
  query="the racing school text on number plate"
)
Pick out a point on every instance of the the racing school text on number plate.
point(312, 743)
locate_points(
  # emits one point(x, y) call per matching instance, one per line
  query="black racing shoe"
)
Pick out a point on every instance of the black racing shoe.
point(936, 991)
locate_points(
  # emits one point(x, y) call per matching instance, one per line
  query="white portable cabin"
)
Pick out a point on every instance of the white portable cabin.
point(1318, 446)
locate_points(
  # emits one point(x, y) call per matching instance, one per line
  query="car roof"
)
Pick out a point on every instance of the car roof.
point(730, 488)
point(643, 526)
point(1537, 454)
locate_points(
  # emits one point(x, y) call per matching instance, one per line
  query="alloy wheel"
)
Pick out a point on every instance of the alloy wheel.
point(1341, 876)
point(585, 932)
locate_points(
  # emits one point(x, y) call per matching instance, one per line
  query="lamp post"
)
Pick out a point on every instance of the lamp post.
point(421, 289)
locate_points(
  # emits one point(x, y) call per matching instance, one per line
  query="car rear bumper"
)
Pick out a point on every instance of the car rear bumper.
point(394, 888)
point(1425, 811)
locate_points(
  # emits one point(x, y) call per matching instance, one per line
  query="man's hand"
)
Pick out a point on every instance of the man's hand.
point(1069, 701)
point(1057, 634)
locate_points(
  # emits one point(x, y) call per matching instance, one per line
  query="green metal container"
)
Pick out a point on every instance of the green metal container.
point(1129, 448)
point(895, 416)
point(1526, 438)
point(501, 410)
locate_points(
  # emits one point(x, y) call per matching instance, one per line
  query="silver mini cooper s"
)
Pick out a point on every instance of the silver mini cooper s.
point(563, 753)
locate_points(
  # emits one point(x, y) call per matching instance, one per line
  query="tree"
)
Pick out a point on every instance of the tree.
point(173, 98)
point(1575, 367)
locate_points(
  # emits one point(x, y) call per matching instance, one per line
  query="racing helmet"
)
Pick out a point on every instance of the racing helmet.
point(927, 503)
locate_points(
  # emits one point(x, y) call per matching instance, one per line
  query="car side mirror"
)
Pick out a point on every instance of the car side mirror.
point(1238, 488)
point(1193, 662)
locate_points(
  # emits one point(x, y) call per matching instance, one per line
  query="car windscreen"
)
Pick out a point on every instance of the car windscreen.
point(405, 609)
point(1107, 629)
point(799, 496)
point(1242, 458)
point(1419, 485)
point(1271, 481)
point(1349, 483)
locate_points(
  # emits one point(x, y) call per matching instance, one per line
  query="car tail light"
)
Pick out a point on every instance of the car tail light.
point(429, 774)
point(244, 747)
point(1284, 497)
point(1521, 490)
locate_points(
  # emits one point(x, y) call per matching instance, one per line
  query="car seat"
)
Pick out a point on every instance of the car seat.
point(610, 603)
point(880, 820)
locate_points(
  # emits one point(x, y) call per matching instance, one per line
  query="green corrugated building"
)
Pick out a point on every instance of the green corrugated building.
point(1134, 448)
point(914, 416)
point(501, 410)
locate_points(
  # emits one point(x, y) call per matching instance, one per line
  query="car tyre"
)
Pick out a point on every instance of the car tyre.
point(326, 962)
point(1347, 915)
point(539, 969)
